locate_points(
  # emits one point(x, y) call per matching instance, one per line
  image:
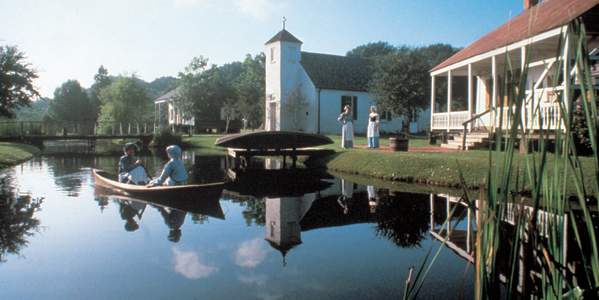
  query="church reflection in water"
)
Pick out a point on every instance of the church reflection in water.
point(289, 202)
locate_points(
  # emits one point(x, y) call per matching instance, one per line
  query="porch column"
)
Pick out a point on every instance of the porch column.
point(470, 94)
point(494, 90)
point(432, 99)
point(448, 98)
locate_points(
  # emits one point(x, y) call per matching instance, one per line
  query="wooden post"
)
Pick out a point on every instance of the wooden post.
point(464, 137)
point(120, 128)
point(432, 100)
point(129, 128)
point(432, 217)
point(448, 99)
point(470, 94)
point(494, 91)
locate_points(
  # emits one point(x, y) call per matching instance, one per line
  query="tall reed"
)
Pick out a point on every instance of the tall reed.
point(522, 245)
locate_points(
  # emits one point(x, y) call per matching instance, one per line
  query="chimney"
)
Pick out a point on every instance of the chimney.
point(530, 3)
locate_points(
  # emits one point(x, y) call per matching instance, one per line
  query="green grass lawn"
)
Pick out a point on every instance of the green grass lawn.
point(13, 153)
point(439, 169)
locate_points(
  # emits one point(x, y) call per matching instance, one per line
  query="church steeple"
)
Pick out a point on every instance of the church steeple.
point(284, 36)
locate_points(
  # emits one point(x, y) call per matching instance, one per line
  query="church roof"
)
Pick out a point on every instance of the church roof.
point(334, 72)
point(283, 36)
point(540, 18)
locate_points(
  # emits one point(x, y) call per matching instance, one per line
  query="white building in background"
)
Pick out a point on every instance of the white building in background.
point(165, 104)
point(306, 91)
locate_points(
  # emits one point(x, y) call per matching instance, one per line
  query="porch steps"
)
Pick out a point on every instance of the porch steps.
point(474, 140)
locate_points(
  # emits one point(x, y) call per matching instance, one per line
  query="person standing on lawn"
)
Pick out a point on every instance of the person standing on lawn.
point(347, 128)
point(373, 128)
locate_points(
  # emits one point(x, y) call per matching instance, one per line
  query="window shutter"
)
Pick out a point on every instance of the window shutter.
point(354, 107)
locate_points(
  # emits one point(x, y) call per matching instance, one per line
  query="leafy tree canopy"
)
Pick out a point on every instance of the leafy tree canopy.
point(126, 100)
point(71, 103)
point(401, 82)
point(16, 81)
point(372, 50)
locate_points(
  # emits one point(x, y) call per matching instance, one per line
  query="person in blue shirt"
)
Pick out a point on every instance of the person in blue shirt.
point(174, 172)
point(131, 169)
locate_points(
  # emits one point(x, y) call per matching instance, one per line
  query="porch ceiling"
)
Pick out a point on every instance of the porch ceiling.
point(540, 50)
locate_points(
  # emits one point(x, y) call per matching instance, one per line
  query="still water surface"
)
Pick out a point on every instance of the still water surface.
point(270, 235)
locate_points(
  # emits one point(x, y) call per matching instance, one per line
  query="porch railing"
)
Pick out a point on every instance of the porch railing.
point(449, 120)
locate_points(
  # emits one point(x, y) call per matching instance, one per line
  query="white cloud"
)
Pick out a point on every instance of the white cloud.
point(259, 9)
point(250, 253)
point(251, 279)
point(188, 264)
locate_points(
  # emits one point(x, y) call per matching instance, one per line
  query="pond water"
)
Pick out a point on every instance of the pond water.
point(272, 234)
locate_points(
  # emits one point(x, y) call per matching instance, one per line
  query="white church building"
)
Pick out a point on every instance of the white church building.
point(306, 91)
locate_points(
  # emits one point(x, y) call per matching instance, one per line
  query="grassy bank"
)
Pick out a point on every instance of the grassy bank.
point(13, 153)
point(438, 169)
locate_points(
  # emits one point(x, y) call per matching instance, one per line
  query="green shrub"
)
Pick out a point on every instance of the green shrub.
point(165, 137)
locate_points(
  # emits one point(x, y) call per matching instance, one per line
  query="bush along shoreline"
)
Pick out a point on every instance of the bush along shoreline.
point(12, 154)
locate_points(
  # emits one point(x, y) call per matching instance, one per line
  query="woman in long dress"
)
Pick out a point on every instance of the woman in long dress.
point(347, 129)
point(373, 128)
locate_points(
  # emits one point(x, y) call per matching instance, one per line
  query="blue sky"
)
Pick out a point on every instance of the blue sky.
point(70, 39)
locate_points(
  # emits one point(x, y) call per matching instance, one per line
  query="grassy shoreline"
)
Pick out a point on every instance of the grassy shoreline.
point(12, 154)
point(441, 170)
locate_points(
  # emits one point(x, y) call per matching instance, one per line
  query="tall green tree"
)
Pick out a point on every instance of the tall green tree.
point(250, 90)
point(372, 50)
point(191, 96)
point(400, 84)
point(101, 81)
point(401, 81)
point(16, 81)
point(125, 100)
point(71, 103)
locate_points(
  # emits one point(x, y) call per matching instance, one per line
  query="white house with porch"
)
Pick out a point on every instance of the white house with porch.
point(465, 91)
point(164, 107)
point(306, 91)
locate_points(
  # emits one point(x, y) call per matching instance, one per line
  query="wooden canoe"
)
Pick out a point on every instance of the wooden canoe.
point(273, 140)
point(209, 190)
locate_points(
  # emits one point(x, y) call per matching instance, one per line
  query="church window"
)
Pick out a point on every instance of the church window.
point(272, 55)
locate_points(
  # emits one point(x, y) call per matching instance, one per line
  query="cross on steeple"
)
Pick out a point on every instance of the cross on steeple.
point(284, 21)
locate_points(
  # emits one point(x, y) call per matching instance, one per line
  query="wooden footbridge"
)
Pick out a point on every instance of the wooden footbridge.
point(37, 132)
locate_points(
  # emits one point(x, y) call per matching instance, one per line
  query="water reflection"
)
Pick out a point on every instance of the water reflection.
point(288, 202)
point(17, 218)
point(173, 210)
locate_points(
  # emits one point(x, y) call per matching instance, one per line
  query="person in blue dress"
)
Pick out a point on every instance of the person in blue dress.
point(174, 172)
point(347, 128)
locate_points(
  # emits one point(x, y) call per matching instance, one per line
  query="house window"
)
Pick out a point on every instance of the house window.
point(386, 115)
point(272, 55)
point(352, 101)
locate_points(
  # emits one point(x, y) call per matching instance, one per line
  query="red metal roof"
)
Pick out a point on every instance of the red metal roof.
point(540, 18)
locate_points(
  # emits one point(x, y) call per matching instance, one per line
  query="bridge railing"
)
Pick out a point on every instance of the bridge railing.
point(51, 128)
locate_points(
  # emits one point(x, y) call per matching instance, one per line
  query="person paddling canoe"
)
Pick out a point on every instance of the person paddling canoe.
point(131, 169)
point(174, 172)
